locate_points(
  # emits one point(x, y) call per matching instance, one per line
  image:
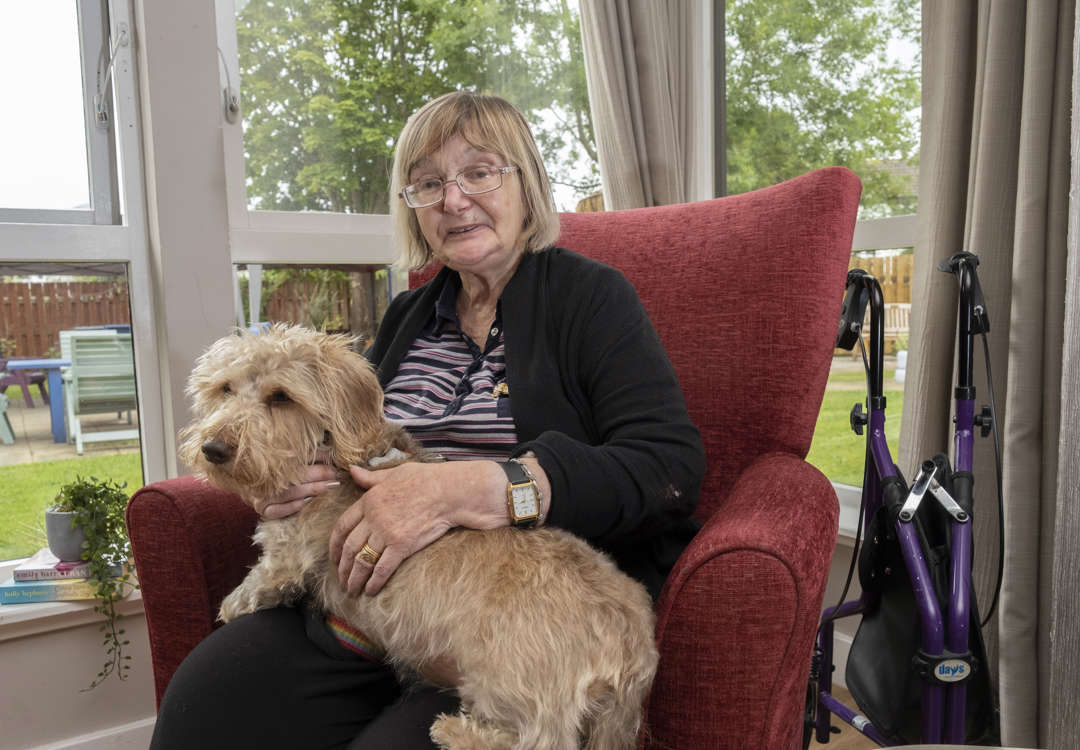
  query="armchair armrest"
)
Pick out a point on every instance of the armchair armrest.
point(737, 618)
point(192, 546)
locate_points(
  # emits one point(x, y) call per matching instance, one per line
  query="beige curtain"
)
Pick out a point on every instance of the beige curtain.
point(637, 64)
point(1065, 607)
point(994, 180)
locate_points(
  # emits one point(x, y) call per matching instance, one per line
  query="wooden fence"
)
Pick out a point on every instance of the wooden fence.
point(33, 314)
point(893, 273)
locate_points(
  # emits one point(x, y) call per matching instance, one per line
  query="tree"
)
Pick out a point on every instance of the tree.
point(810, 83)
point(329, 84)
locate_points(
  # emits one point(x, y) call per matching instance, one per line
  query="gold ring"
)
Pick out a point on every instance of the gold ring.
point(368, 555)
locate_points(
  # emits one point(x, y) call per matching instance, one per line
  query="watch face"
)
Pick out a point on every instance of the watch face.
point(524, 500)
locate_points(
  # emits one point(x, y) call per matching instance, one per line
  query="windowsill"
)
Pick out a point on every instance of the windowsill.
point(849, 498)
point(21, 620)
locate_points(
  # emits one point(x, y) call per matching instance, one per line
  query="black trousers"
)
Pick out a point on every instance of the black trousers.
point(279, 679)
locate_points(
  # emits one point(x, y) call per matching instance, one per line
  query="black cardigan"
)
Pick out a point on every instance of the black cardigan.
point(594, 396)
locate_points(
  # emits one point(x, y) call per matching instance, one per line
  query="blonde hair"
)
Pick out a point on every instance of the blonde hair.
point(488, 123)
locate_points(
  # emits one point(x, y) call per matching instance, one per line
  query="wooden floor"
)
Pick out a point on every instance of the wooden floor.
point(849, 738)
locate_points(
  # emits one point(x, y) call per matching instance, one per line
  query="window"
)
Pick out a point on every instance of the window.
point(349, 299)
point(327, 87)
point(69, 258)
point(67, 386)
point(836, 86)
point(56, 144)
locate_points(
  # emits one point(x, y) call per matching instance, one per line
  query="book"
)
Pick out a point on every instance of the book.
point(50, 590)
point(43, 565)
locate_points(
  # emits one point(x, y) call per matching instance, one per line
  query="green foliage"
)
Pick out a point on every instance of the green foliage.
point(328, 85)
point(99, 507)
point(316, 312)
point(7, 347)
point(810, 83)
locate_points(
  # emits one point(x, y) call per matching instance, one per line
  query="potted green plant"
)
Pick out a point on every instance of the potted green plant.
point(96, 509)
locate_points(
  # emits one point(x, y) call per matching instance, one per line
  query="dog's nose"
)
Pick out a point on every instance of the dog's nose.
point(217, 451)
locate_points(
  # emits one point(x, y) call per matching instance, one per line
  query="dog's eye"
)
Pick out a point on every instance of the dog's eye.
point(226, 389)
point(279, 397)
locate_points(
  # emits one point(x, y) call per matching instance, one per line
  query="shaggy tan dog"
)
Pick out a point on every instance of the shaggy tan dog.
point(554, 644)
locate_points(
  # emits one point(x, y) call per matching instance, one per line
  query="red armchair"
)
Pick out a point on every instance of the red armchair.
point(745, 293)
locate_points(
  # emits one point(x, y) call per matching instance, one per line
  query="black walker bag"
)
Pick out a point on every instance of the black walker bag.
point(883, 666)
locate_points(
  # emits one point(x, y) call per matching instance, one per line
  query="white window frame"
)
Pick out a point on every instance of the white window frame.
point(100, 234)
point(284, 237)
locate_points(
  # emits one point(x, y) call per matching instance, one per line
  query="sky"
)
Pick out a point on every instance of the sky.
point(42, 135)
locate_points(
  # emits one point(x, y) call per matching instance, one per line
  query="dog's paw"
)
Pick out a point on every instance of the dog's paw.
point(241, 601)
point(463, 732)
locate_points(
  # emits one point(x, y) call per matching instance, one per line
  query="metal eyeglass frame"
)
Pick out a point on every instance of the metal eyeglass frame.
point(404, 194)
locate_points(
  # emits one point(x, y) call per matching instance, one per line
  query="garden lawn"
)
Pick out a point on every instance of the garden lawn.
point(26, 490)
point(836, 450)
point(14, 393)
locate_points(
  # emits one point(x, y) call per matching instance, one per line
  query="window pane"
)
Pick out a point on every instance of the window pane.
point(65, 336)
point(836, 450)
point(338, 299)
point(43, 130)
point(838, 86)
point(328, 85)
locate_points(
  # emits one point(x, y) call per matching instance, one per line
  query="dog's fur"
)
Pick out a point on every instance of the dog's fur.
point(554, 645)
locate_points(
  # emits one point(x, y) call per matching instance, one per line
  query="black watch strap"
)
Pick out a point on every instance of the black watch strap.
point(520, 480)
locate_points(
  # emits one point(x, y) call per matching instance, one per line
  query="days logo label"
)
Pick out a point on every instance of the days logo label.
point(951, 670)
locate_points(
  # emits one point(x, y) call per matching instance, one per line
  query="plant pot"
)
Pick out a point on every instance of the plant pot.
point(64, 541)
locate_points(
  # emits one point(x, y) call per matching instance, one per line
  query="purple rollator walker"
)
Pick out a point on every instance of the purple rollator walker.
point(945, 658)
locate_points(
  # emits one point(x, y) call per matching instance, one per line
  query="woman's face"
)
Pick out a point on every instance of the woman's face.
point(478, 234)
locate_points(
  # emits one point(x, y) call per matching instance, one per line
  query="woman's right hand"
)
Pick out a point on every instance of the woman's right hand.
point(318, 478)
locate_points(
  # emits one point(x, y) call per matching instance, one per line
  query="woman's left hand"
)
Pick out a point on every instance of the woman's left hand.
point(406, 508)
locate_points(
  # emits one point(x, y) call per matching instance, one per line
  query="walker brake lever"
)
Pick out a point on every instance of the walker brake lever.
point(980, 318)
point(853, 310)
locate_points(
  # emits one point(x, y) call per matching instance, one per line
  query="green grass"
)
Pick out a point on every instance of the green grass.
point(14, 393)
point(836, 450)
point(857, 376)
point(26, 490)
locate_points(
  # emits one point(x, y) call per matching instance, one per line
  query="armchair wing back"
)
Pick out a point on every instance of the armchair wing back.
point(745, 293)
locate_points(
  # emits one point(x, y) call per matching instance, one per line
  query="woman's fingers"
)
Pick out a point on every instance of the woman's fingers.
point(318, 478)
point(396, 516)
point(389, 561)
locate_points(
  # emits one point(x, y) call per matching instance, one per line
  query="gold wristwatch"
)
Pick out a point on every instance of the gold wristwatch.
point(522, 494)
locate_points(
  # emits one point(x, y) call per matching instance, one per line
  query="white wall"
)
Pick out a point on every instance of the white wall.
point(48, 662)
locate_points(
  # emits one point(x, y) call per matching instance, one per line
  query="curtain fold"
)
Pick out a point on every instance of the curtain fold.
point(637, 65)
point(1065, 609)
point(994, 181)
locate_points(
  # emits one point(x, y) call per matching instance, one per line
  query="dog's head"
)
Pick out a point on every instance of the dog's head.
point(263, 404)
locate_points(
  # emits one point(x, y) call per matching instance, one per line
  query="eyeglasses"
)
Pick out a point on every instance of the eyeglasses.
point(472, 181)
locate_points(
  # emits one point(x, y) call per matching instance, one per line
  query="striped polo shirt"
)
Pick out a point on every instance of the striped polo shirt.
point(451, 395)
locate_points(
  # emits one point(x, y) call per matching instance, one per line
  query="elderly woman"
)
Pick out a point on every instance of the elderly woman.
point(523, 364)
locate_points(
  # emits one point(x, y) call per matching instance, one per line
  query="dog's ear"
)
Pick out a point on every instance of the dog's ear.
point(354, 399)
